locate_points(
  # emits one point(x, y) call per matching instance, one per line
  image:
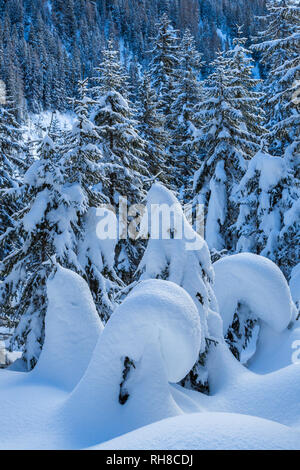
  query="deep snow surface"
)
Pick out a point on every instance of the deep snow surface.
point(75, 405)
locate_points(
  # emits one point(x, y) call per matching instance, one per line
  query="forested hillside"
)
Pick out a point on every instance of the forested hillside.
point(150, 224)
point(47, 45)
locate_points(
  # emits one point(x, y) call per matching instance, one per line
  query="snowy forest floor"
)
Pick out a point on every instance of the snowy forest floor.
point(69, 401)
point(248, 411)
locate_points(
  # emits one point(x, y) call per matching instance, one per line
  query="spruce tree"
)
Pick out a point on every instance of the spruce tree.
point(269, 220)
point(151, 128)
point(84, 166)
point(278, 45)
point(164, 67)
point(123, 149)
point(122, 146)
point(13, 155)
point(42, 229)
point(186, 124)
point(245, 88)
point(84, 159)
point(175, 252)
point(229, 138)
point(58, 222)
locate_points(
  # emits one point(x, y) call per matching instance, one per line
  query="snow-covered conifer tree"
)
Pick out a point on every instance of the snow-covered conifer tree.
point(151, 127)
point(278, 44)
point(58, 223)
point(188, 93)
point(122, 147)
point(12, 165)
point(84, 160)
point(245, 85)
point(164, 67)
point(269, 218)
point(175, 252)
point(42, 229)
point(228, 140)
point(84, 165)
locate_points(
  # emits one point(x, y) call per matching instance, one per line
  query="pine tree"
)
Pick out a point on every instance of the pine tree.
point(278, 45)
point(122, 147)
point(269, 221)
point(84, 159)
point(229, 138)
point(42, 229)
point(188, 93)
point(58, 222)
point(151, 128)
point(164, 66)
point(84, 165)
point(247, 98)
point(13, 164)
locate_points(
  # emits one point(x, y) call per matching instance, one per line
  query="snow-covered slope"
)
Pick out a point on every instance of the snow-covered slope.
point(209, 431)
point(152, 339)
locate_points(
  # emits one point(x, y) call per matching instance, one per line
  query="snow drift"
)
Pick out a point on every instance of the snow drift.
point(151, 339)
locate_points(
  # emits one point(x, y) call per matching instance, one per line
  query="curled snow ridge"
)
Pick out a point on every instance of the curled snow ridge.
point(257, 282)
point(154, 337)
point(167, 308)
point(72, 329)
point(158, 313)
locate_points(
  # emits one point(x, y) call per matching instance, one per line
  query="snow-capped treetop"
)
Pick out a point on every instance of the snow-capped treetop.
point(111, 75)
point(230, 136)
point(177, 253)
point(151, 125)
point(164, 61)
point(185, 123)
point(270, 169)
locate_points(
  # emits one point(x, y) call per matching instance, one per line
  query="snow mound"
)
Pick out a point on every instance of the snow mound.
point(72, 329)
point(274, 350)
point(257, 282)
point(151, 339)
point(206, 431)
point(173, 313)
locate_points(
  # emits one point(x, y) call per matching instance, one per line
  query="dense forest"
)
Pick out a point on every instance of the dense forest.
point(47, 45)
